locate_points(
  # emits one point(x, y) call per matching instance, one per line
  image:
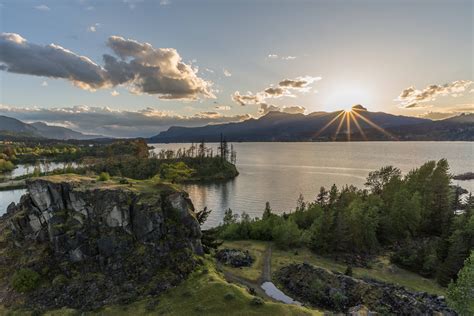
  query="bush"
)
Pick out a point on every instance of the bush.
point(104, 176)
point(25, 280)
point(348, 271)
point(257, 301)
point(59, 280)
point(229, 296)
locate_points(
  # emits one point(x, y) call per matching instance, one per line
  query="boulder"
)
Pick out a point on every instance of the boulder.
point(234, 257)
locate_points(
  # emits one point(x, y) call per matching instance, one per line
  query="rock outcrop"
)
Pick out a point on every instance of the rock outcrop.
point(234, 257)
point(325, 289)
point(96, 243)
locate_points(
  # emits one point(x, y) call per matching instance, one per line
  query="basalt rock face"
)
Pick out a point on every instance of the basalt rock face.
point(322, 288)
point(95, 244)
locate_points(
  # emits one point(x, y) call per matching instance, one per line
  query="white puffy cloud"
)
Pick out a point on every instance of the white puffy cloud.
point(114, 93)
point(411, 97)
point(139, 66)
point(117, 123)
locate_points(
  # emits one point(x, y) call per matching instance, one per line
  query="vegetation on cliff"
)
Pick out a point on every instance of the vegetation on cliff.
point(78, 242)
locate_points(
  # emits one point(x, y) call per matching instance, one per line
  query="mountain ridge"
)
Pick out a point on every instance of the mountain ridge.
point(279, 126)
point(42, 130)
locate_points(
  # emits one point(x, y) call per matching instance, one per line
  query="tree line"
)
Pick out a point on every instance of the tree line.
point(418, 218)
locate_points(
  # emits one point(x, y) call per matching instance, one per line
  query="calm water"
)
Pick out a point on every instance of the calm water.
point(279, 172)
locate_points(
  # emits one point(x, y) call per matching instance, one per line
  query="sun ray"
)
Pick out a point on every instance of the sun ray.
point(380, 129)
point(340, 126)
point(328, 124)
point(348, 124)
point(357, 125)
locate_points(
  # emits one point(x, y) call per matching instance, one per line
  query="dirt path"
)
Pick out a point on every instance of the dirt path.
point(266, 275)
point(267, 266)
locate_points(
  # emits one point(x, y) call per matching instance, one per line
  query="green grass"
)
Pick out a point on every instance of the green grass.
point(205, 292)
point(382, 270)
point(256, 250)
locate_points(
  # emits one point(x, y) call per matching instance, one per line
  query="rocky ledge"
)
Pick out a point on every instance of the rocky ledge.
point(84, 244)
point(325, 289)
point(234, 257)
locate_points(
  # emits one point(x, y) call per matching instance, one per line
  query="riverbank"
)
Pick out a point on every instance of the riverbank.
point(12, 185)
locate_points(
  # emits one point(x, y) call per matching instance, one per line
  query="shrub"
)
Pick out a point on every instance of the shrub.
point(104, 176)
point(59, 280)
point(25, 280)
point(256, 301)
point(229, 296)
point(348, 271)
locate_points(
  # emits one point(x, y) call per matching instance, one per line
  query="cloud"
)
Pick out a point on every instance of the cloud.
point(275, 56)
point(285, 88)
point(164, 2)
point(132, 4)
point(226, 73)
point(114, 93)
point(449, 112)
point(301, 83)
point(222, 107)
point(93, 28)
point(265, 108)
point(249, 98)
point(139, 66)
point(275, 92)
point(411, 97)
point(44, 84)
point(117, 123)
point(42, 7)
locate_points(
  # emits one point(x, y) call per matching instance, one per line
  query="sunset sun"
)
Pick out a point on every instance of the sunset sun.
point(345, 96)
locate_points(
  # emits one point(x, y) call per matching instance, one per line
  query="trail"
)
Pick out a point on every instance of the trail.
point(266, 275)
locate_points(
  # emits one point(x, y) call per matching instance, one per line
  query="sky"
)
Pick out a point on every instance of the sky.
point(136, 67)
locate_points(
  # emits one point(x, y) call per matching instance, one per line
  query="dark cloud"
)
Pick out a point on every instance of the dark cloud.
point(249, 98)
point(284, 88)
point(139, 66)
point(298, 83)
point(275, 92)
point(411, 97)
point(294, 109)
point(109, 122)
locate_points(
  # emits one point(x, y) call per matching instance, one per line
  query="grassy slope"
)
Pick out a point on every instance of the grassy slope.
point(382, 270)
point(202, 294)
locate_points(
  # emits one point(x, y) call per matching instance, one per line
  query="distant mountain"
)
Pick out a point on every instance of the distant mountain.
point(12, 127)
point(322, 126)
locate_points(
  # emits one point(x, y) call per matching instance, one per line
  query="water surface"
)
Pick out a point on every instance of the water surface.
point(279, 172)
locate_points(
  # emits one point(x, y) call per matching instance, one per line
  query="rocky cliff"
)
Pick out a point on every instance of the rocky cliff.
point(93, 243)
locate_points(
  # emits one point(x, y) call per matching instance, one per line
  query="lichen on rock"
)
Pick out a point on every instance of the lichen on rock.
point(108, 242)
